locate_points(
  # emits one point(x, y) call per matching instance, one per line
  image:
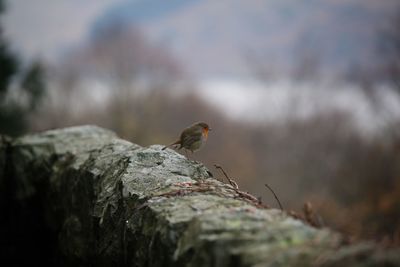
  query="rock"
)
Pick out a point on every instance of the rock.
point(100, 200)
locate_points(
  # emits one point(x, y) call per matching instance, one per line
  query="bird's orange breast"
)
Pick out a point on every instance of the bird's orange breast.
point(205, 133)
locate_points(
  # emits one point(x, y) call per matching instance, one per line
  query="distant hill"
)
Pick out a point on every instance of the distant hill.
point(223, 38)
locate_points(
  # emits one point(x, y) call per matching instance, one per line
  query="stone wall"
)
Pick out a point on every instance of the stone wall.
point(83, 197)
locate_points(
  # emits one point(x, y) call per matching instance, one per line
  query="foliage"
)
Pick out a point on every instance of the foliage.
point(20, 93)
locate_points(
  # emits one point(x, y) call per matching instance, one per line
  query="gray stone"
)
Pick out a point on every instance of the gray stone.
point(111, 202)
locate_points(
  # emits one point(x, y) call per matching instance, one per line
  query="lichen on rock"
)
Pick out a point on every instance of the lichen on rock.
point(106, 201)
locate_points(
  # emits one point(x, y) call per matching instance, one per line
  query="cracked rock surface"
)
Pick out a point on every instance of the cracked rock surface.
point(81, 196)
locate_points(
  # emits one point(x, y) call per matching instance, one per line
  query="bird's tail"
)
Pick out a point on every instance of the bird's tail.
point(174, 143)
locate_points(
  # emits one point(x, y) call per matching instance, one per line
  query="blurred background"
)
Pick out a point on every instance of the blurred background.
point(301, 94)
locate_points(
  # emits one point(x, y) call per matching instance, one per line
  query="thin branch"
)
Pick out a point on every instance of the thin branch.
point(276, 197)
point(244, 195)
point(231, 182)
point(310, 216)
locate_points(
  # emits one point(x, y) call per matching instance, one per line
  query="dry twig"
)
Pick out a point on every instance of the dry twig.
point(244, 195)
point(231, 182)
point(276, 197)
point(310, 216)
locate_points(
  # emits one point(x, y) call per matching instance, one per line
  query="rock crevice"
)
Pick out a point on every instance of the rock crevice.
point(81, 196)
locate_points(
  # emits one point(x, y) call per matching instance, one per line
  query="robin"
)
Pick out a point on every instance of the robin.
point(193, 137)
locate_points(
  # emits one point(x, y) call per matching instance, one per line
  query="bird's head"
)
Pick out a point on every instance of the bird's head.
point(205, 128)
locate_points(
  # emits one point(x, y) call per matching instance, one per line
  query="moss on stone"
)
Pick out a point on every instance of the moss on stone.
point(112, 202)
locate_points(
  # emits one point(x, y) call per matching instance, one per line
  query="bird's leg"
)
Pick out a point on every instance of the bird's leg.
point(192, 155)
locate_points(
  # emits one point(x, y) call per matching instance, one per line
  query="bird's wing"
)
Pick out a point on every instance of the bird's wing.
point(174, 143)
point(188, 139)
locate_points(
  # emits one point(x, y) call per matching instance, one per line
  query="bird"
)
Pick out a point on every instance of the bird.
point(193, 137)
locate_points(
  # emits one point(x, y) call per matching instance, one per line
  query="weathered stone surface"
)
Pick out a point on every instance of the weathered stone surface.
point(108, 202)
point(3, 148)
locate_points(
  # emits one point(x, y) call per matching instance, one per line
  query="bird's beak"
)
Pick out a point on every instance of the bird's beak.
point(209, 129)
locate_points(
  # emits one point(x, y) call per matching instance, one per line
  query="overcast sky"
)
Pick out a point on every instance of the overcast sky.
point(46, 27)
point(212, 39)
